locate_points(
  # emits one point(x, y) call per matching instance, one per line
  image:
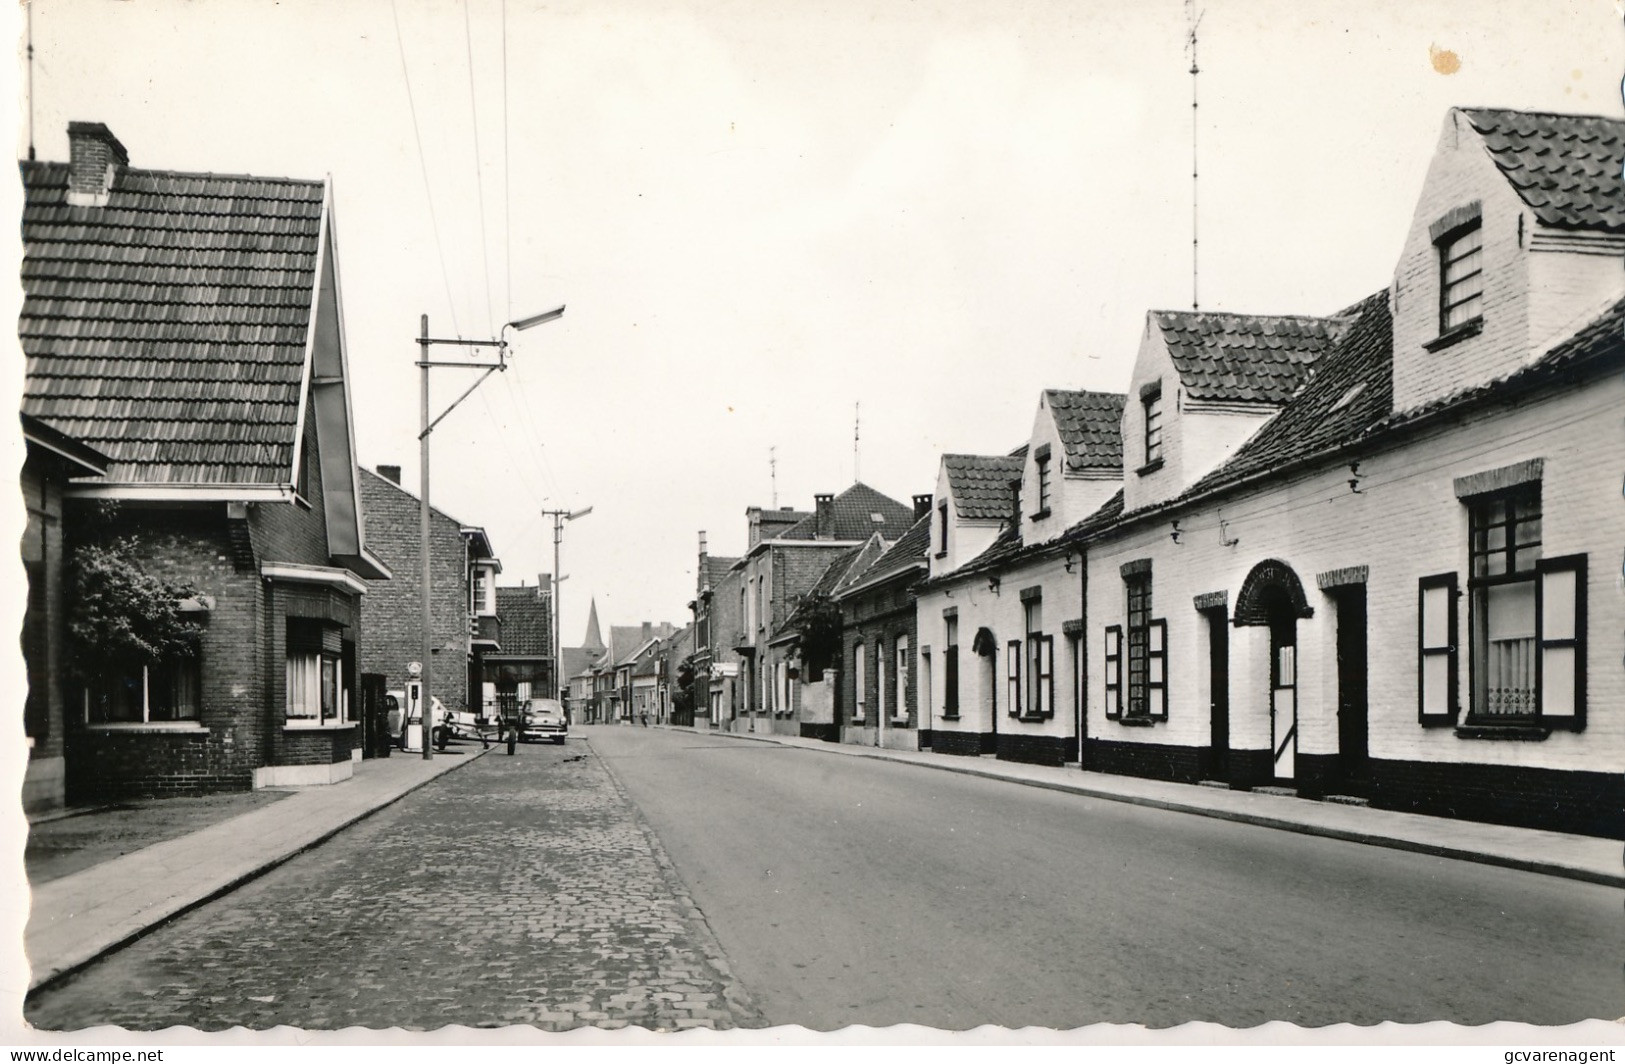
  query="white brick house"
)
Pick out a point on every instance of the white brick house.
point(1401, 586)
point(998, 665)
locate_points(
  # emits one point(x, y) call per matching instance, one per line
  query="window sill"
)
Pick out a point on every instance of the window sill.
point(301, 725)
point(1137, 722)
point(155, 727)
point(1528, 733)
point(1149, 468)
point(1454, 336)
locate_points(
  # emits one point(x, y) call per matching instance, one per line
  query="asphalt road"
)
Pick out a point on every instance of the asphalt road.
point(848, 890)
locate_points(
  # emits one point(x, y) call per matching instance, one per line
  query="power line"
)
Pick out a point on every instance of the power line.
point(479, 182)
point(423, 168)
point(507, 177)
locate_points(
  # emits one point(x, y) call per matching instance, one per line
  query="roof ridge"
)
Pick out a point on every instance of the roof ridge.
point(1539, 114)
point(210, 174)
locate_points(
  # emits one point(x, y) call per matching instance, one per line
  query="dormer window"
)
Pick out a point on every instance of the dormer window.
point(1151, 408)
point(1041, 461)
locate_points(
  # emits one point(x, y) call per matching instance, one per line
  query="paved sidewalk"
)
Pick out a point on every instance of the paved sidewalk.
point(1554, 853)
point(75, 919)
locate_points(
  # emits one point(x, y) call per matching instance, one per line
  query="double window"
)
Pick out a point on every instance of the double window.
point(858, 700)
point(165, 692)
point(900, 707)
point(1146, 654)
point(314, 673)
point(1030, 666)
point(1525, 622)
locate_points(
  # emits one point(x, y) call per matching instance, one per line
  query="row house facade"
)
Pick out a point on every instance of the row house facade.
point(781, 565)
point(714, 663)
point(879, 677)
point(1001, 610)
point(188, 329)
point(1369, 555)
point(462, 603)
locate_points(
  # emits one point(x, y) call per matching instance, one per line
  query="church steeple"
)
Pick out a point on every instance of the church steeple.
point(593, 640)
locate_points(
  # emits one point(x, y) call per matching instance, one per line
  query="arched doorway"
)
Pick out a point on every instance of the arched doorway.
point(1272, 597)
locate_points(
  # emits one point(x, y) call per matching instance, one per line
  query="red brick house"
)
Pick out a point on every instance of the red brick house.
point(522, 667)
point(189, 327)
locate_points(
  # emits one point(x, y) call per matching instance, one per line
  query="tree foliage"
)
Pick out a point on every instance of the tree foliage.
point(122, 616)
point(818, 623)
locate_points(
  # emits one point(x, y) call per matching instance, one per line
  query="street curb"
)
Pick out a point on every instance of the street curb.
point(1585, 875)
point(734, 993)
point(76, 965)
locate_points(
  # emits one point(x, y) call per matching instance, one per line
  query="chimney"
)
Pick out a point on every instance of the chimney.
point(824, 507)
point(94, 158)
point(647, 632)
point(1015, 501)
point(702, 544)
point(922, 506)
point(391, 473)
point(753, 514)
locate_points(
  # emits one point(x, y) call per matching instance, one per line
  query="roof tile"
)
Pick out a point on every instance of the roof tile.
point(168, 328)
point(1566, 167)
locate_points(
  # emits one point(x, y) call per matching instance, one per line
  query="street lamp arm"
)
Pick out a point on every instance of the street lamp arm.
point(521, 324)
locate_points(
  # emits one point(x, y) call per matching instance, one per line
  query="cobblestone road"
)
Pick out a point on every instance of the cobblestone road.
point(516, 890)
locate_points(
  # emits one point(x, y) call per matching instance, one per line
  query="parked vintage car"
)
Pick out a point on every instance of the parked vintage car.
point(543, 718)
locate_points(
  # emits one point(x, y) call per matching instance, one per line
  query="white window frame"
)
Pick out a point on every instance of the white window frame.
point(858, 701)
point(900, 710)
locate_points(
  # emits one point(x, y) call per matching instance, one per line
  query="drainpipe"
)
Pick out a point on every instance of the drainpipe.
point(1083, 655)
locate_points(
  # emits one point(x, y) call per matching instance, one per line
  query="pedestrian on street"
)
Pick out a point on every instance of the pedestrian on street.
point(645, 716)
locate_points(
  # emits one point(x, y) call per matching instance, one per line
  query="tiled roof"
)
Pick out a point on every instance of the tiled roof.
point(1352, 389)
point(1249, 358)
point(167, 329)
point(981, 483)
point(1091, 428)
point(910, 550)
point(835, 574)
point(855, 516)
point(1602, 341)
point(1566, 167)
point(526, 622)
point(716, 567)
point(577, 660)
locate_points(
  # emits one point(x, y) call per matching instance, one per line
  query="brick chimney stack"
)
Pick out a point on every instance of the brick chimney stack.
point(647, 631)
point(94, 156)
point(391, 473)
point(824, 508)
point(922, 506)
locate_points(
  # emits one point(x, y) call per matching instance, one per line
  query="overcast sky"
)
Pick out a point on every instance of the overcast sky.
point(762, 213)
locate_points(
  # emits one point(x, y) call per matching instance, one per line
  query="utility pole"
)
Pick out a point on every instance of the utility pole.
point(559, 518)
point(425, 363)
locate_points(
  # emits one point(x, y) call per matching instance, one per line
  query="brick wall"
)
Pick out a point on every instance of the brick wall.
point(191, 545)
point(392, 610)
point(284, 533)
point(880, 615)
